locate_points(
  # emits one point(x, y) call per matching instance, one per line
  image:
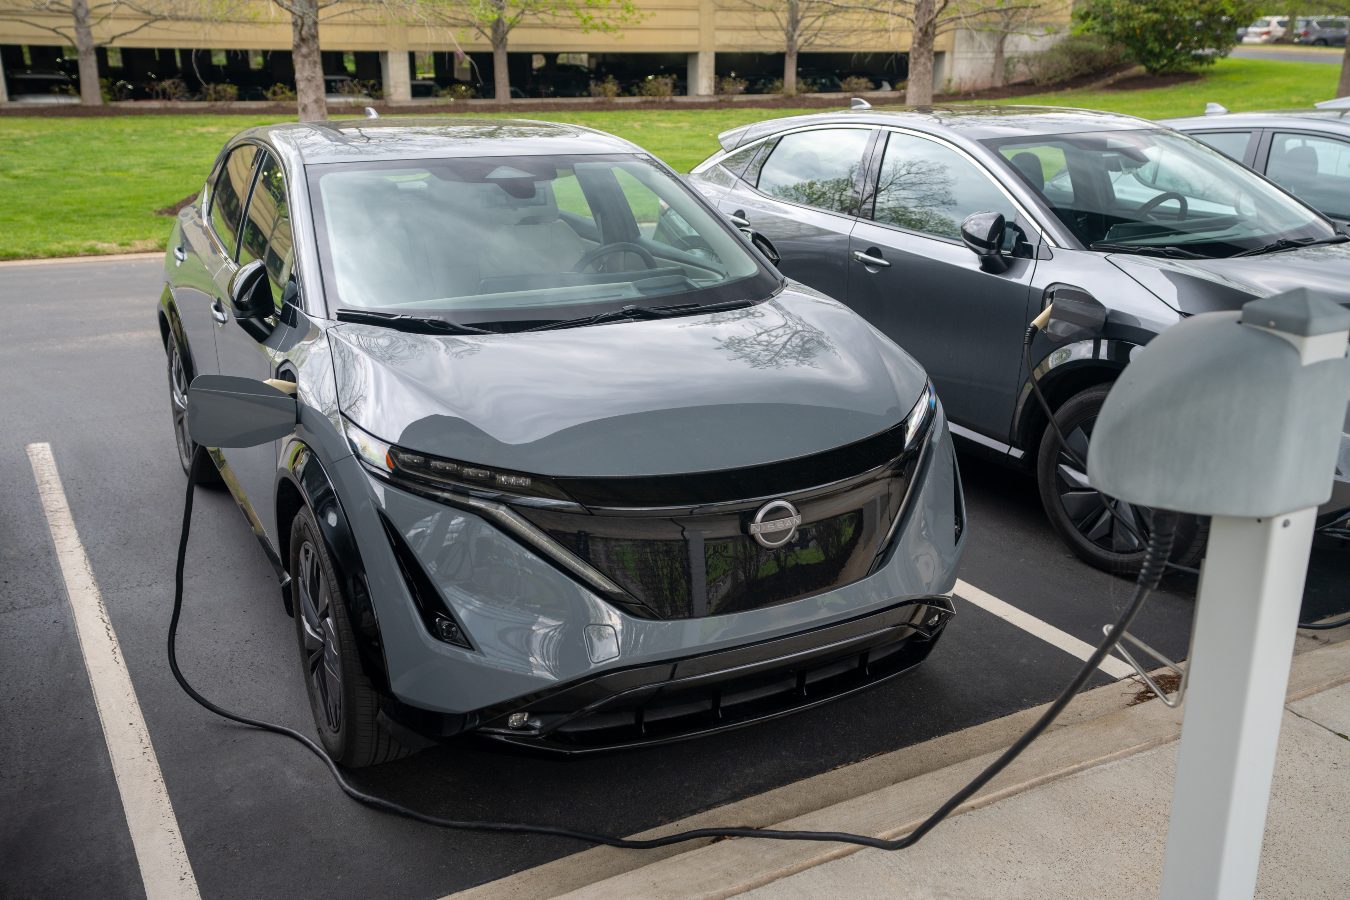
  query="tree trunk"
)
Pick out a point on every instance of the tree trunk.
point(1000, 72)
point(1343, 90)
point(920, 89)
point(790, 69)
point(501, 74)
point(91, 94)
point(309, 85)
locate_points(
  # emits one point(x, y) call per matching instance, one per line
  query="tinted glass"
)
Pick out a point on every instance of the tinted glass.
point(523, 239)
point(816, 168)
point(1314, 169)
point(229, 193)
point(267, 228)
point(1232, 144)
point(736, 163)
point(1153, 190)
point(925, 186)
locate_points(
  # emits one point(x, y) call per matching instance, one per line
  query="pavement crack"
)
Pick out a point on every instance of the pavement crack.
point(1329, 730)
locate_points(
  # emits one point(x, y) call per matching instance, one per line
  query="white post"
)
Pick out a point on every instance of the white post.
point(1246, 617)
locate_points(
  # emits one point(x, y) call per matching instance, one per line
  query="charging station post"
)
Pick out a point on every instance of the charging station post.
point(1238, 418)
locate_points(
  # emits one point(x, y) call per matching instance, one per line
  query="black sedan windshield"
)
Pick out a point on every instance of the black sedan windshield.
point(1155, 191)
point(519, 241)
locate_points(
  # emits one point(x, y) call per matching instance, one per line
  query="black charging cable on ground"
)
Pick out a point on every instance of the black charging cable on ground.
point(1159, 546)
point(1077, 460)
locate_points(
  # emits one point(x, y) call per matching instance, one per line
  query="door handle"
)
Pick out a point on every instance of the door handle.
point(218, 312)
point(738, 219)
point(180, 255)
point(866, 258)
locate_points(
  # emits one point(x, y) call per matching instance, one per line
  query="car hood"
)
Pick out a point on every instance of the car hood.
point(792, 376)
point(1194, 286)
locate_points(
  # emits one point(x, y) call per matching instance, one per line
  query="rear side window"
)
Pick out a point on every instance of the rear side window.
point(816, 168)
point(1314, 169)
point(267, 228)
point(1232, 144)
point(229, 193)
point(928, 187)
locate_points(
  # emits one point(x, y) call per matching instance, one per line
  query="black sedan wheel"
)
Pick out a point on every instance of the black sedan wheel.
point(341, 698)
point(178, 390)
point(1113, 542)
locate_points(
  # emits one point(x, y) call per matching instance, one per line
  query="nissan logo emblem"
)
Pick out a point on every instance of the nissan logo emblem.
point(775, 524)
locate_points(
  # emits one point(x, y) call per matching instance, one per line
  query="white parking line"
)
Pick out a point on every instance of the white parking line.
point(1043, 630)
point(163, 860)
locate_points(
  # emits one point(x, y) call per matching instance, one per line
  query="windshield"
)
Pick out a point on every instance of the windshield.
point(1148, 191)
point(519, 241)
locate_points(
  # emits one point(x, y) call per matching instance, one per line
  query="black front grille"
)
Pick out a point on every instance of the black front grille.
point(698, 562)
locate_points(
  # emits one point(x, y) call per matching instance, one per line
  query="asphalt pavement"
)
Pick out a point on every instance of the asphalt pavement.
point(1288, 53)
point(82, 369)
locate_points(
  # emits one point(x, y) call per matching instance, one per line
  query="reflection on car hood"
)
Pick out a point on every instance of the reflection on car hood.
point(793, 376)
point(1208, 285)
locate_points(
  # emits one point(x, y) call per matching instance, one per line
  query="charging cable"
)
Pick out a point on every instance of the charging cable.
point(1038, 324)
point(1158, 549)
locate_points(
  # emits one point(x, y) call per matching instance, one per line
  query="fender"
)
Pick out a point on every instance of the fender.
point(302, 480)
point(171, 327)
point(1064, 371)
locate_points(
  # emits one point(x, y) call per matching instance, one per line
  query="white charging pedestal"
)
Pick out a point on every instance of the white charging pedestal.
point(1239, 418)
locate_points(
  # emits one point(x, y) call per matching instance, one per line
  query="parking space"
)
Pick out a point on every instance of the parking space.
point(82, 371)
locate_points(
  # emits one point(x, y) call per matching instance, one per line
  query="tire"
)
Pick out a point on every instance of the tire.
point(1078, 513)
point(341, 698)
point(183, 442)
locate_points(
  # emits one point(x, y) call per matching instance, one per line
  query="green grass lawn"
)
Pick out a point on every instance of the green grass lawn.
point(73, 186)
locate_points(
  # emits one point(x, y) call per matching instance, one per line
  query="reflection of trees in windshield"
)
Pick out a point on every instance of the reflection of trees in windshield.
point(916, 194)
point(773, 338)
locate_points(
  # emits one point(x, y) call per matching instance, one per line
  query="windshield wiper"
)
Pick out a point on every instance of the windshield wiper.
point(403, 322)
point(1162, 249)
point(1291, 244)
point(632, 311)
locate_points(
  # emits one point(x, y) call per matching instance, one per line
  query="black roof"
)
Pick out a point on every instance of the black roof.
point(412, 138)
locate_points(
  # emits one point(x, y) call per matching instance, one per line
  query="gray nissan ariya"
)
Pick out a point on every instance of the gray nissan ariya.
point(574, 466)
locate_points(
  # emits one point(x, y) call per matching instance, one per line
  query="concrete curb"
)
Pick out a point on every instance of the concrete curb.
point(93, 258)
point(886, 795)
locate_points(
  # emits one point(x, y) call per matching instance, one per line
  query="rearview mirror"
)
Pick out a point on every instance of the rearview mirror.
point(983, 233)
point(250, 292)
point(228, 411)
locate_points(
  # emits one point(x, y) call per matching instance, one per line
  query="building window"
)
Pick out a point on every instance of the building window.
point(218, 58)
point(256, 60)
point(424, 63)
point(114, 57)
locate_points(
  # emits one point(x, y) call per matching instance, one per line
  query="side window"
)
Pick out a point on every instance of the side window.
point(816, 168)
point(927, 187)
point(736, 163)
point(1232, 144)
point(229, 193)
point(267, 228)
point(1314, 169)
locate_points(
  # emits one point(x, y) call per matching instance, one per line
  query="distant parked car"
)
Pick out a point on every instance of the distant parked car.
point(344, 87)
point(1306, 152)
point(42, 87)
point(1325, 32)
point(1265, 30)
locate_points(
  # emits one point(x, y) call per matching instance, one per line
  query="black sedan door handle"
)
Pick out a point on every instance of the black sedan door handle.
point(738, 219)
point(871, 258)
point(180, 254)
point(218, 312)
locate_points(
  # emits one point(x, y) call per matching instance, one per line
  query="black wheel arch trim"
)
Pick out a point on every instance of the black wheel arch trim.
point(303, 480)
point(1063, 371)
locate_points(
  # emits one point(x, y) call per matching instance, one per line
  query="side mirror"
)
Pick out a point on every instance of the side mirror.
point(765, 246)
point(228, 411)
point(983, 233)
point(250, 292)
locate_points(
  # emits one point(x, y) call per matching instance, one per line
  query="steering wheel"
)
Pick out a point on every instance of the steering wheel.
point(1147, 209)
point(591, 256)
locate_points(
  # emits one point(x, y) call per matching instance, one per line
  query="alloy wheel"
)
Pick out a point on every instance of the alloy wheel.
point(322, 655)
point(1086, 507)
point(178, 391)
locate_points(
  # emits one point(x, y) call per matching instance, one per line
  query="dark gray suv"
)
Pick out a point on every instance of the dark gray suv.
point(951, 229)
point(575, 468)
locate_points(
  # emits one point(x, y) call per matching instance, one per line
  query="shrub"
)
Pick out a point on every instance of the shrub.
point(280, 93)
point(458, 90)
point(606, 88)
point(1167, 35)
point(856, 84)
point(657, 86)
point(1073, 57)
point(115, 89)
point(776, 86)
point(220, 93)
point(168, 89)
point(730, 85)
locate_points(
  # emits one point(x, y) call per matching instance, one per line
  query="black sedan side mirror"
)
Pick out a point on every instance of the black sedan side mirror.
point(250, 292)
point(983, 233)
point(765, 246)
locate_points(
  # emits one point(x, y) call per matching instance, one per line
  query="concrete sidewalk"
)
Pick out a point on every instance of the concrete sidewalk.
point(1083, 813)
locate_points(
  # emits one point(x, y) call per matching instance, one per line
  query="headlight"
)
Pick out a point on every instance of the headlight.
point(916, 423)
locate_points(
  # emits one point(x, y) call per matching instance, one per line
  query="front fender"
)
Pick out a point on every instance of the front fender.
point(1062, 372)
